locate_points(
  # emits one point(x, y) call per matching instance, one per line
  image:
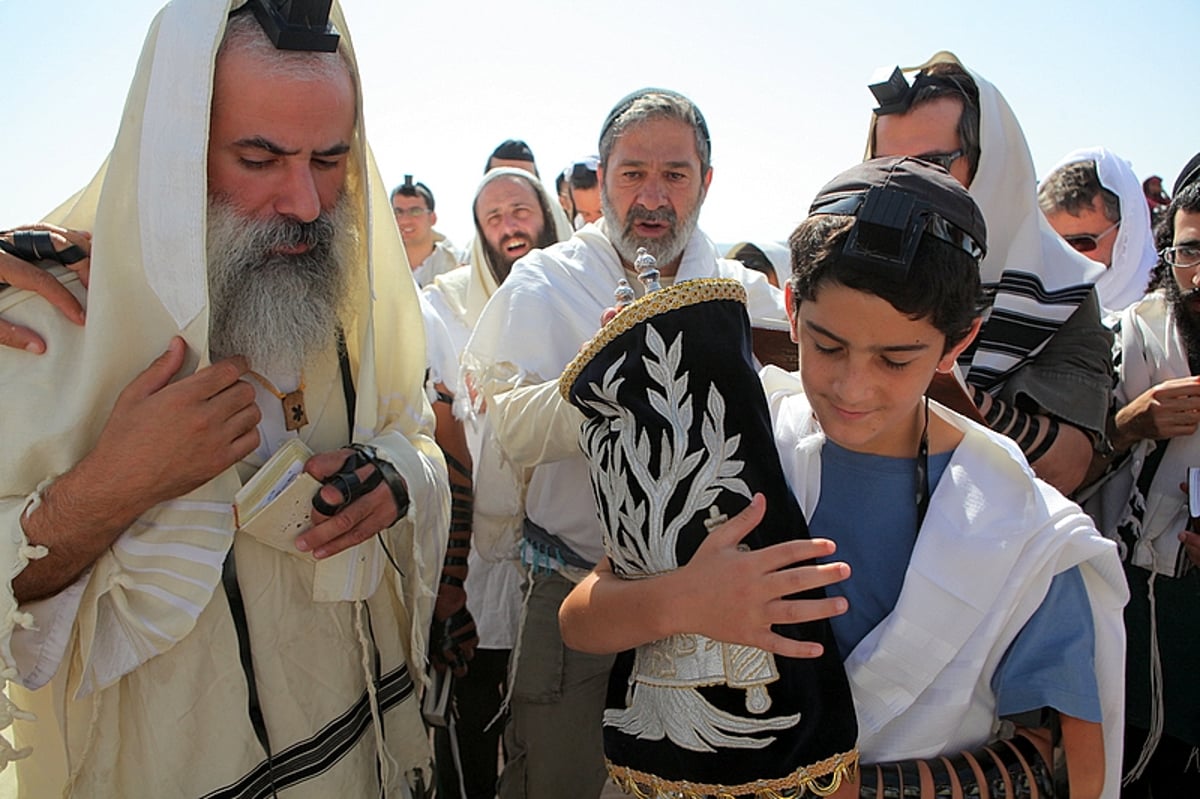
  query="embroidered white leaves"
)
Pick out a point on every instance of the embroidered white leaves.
point(647, 492)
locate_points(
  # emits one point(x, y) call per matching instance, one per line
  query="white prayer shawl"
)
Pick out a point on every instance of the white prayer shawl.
point(1038, 279)
point(535, 324)
point(147, 207)
point(444, 258)
point(459, 298)
point(1152, 351)
point(440, 353)
point(565, 288)
point(464, 292)
point(992, 540)
point(1133, 255)
point(777, 253)
point(498, 507)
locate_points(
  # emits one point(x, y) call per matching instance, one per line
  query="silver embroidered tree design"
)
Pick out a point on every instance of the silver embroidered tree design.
point(617, 444)
point(641, 539)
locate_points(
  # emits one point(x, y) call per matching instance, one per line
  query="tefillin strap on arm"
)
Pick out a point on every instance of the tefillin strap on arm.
point(297, 24)
point(1002, 769)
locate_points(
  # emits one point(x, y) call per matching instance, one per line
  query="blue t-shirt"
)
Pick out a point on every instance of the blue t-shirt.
point(1051, 661)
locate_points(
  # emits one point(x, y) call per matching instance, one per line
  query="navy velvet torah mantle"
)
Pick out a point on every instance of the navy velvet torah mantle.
point(678, 438)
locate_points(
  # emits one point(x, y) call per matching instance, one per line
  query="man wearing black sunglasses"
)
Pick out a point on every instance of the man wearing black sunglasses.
point(1094, 201)
point(1039, 371)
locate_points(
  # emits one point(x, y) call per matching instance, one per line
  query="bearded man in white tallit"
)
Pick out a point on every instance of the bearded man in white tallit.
point(1040, 369)
point(137, 661)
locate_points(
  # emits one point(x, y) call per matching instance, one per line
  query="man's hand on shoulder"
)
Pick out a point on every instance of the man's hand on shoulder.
point(23, 274)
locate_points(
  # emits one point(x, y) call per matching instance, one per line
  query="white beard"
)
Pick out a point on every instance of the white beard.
point(277, 310)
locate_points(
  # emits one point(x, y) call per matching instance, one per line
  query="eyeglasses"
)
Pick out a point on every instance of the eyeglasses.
point(1086, 242)
point(414, 212)
point(1184, 255)
point(944, 160)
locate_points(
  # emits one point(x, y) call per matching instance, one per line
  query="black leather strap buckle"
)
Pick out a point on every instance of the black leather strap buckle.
point(348, 484)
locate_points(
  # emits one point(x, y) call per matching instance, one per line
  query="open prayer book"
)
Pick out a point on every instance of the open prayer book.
point(275, 505)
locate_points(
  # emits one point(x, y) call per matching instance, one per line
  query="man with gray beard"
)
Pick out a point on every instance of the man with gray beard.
point(276, 309)
point(654, 174)
point(150, 604)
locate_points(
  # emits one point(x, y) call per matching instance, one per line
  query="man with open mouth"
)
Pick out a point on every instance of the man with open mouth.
point(654, 174)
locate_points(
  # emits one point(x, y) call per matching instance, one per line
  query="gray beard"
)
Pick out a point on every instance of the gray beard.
point(666, 249)
point(277, 310)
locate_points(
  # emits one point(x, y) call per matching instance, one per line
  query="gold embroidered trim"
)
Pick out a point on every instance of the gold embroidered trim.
point(819, 779)
point(680, 295)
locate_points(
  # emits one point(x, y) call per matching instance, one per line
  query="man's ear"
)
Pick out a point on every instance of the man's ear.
point(947, 361)
point(432, 218)
point(790, 305)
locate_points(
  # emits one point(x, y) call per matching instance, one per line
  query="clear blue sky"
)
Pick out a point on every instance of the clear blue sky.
point(782, 83)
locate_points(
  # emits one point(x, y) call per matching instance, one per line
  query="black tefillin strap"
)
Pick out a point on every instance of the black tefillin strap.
point(237, 607)
point(895, 94)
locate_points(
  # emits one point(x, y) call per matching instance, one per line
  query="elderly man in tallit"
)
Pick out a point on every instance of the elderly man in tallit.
point(152, 644)
point(1039, 371)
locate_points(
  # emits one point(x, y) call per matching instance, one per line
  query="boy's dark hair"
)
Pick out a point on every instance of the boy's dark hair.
point(942, 284)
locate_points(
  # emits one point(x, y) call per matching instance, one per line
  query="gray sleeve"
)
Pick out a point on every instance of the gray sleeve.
point(1071, 379)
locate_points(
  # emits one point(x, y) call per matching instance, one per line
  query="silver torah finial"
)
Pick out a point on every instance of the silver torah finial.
point(623, 294)
point(647, 267)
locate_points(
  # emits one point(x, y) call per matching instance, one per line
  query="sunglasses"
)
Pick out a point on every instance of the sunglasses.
point(1086, 242)
point(944, 160)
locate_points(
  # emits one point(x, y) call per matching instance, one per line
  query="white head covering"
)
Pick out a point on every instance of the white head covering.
point(777, 253)
point(1038, 279)
point(483, 282)
point(1133, 255)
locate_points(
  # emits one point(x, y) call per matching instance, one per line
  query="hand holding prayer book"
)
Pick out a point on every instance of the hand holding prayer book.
point(275, 505)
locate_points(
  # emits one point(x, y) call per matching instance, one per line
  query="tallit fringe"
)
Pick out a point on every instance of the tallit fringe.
point(514, 658)
point(9, 710)
point(37, 497)
point(1156, 692)
point(386, 763)
point(93, 726)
